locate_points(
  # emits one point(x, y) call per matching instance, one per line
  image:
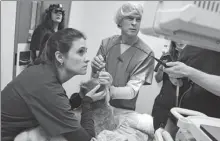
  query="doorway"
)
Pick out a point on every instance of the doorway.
point(28, 17)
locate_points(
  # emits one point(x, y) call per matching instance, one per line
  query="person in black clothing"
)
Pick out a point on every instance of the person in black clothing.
point(166, 98)
point(36, 96)
point(200, 70)
point(52, 22)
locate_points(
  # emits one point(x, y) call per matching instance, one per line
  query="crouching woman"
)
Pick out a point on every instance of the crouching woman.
point(36, 96)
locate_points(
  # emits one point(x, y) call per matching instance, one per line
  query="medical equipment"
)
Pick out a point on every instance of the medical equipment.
point(196, 126)
point(189, 22)
point(177, 94)
point(195, 23)
point(160, 62)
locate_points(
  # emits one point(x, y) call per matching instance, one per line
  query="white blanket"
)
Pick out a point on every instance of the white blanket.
point(132, 126)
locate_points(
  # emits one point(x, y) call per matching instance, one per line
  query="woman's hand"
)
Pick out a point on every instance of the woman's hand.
point(96, 96)
point(105, 78)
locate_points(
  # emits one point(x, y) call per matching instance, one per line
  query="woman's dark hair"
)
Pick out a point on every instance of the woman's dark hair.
point(173, 51)
point(48, 22)
point(59, 41)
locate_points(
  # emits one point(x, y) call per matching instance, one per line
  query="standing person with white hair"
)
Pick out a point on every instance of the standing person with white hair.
point(126, 57)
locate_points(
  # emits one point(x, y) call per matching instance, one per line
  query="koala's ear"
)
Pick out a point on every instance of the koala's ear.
point(81, 94)
point(83, 90)
point(83, 86)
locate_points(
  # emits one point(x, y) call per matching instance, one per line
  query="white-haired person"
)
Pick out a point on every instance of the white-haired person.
point(126, 57)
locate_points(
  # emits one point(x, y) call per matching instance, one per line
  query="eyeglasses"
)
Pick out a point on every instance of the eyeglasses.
point(58, 11)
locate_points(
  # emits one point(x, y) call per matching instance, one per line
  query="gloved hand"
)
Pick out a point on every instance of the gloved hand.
point(105, 78)
point(98, 63)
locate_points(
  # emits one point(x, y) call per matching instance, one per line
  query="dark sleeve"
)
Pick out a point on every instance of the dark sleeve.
point(51, 108)
point(201, 59)
point(37, 38)
point(87, 121)
point(88, 131)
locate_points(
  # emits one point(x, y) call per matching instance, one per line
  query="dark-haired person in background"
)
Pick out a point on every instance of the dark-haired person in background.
point(52, 22)
point(165, 100)
point(200, 70)
point(36, 96)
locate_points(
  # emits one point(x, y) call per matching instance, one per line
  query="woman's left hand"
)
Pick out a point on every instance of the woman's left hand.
point(96, 96)
point(105, 78)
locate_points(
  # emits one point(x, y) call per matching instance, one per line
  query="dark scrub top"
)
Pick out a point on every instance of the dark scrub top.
point(123, 67)
point(36, 97)
point(40, 36)
point(197, 98)
point(166, 98)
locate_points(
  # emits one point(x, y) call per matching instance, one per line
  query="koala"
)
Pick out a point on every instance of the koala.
point(89, 85)
point(102, 110)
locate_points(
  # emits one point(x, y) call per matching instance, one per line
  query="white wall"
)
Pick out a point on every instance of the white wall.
point(8, 16)
point(95, 19)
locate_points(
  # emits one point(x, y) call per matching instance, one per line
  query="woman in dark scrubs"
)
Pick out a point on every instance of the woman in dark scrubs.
point(36, 96)
point(167, 96)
